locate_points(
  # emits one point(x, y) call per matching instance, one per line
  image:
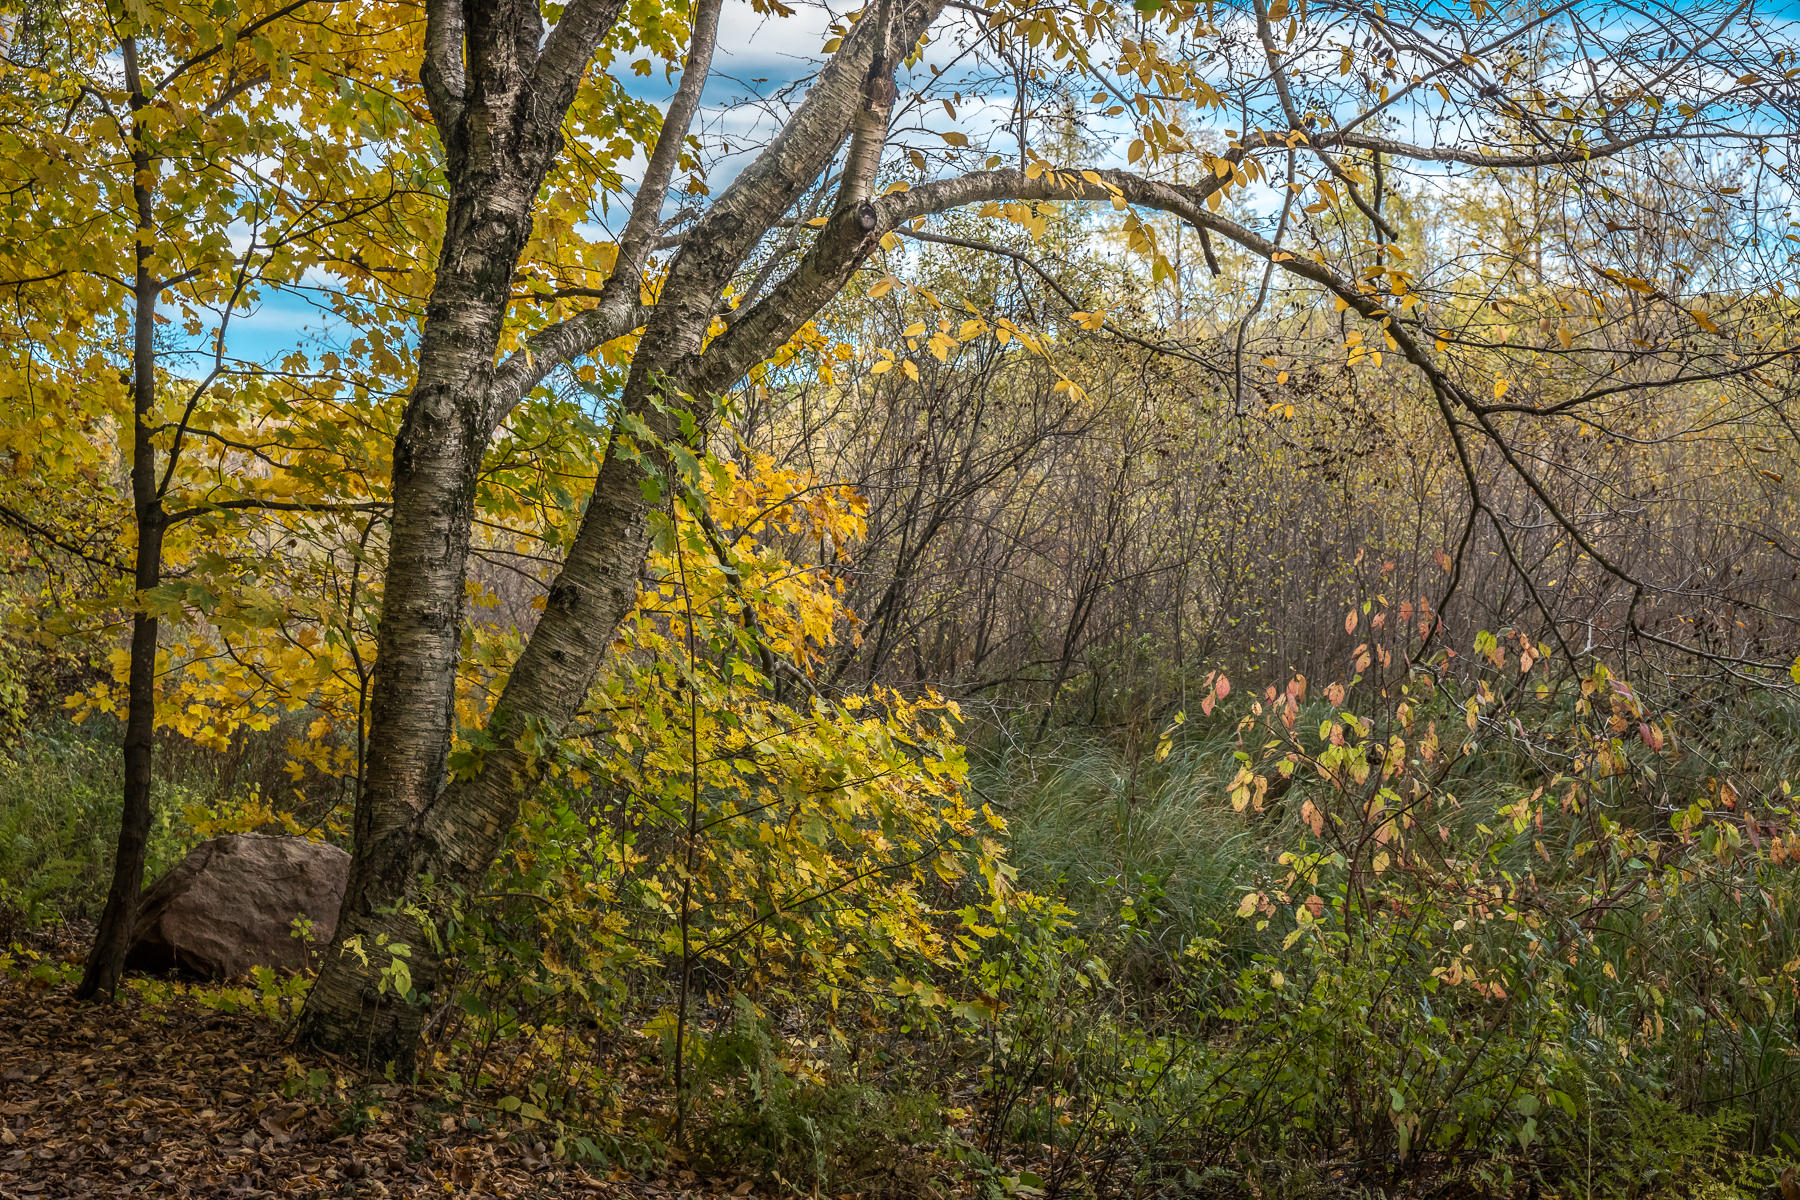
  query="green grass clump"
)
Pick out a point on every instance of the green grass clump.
point(59, 822)
point(1134, 846)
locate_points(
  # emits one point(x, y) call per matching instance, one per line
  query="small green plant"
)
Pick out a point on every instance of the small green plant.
point(59, 798)
point(793, 1115)
point(396, 972)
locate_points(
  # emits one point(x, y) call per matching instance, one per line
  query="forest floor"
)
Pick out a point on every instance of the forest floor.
point(131, 1099)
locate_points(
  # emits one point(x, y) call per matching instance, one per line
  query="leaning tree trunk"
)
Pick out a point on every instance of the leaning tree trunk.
point(500, 138)
point(412, 824)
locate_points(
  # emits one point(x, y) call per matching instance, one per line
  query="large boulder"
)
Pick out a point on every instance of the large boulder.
point(231, 903)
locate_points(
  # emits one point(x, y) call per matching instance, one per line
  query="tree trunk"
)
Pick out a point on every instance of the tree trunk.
point(500, 138)
point(106, 960)
point(437, 460)
point(453, 840)
point(410, 830)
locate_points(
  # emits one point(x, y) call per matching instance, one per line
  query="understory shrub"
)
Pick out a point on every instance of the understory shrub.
point(1484, 919)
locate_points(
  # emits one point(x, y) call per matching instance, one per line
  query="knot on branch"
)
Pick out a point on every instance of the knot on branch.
point(879, 91)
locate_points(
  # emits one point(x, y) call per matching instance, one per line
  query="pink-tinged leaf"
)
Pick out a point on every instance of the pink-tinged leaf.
point(1350, 621)
point(1315, 820)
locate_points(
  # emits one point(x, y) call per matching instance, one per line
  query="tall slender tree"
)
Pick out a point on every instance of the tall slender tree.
point(133, 158)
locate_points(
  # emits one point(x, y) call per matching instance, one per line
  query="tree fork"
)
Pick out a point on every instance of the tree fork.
point(450, 831)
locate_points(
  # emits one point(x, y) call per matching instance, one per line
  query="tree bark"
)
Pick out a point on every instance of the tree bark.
point(499, 116)
point(112, 938)
point(412, 824)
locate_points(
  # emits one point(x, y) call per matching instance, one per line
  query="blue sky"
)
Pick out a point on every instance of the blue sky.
point(755, 55)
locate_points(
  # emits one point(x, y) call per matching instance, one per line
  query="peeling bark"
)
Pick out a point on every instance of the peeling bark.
point(412, 823)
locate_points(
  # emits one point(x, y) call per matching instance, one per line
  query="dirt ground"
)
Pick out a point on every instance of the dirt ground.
point(180, 1101)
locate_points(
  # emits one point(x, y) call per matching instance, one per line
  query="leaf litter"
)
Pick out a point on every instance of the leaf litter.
point(141, 1099)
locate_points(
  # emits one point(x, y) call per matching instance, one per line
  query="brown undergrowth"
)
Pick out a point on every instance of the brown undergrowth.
point(172, 1098)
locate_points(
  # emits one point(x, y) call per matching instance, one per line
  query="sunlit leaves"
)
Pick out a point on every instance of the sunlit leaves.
point(814, 827)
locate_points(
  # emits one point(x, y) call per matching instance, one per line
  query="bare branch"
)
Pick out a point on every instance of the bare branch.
point(618, 310)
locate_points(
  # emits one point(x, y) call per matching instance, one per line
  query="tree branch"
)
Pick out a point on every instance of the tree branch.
point(618, 310)
point(584, 25)
point(30, 528)
point(445, 81)
point(187, 65)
